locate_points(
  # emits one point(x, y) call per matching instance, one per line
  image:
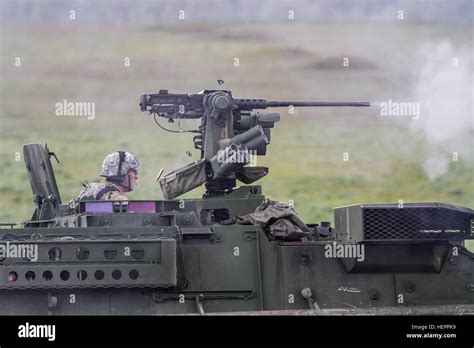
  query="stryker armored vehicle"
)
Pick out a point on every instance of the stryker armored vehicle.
point(232, 250)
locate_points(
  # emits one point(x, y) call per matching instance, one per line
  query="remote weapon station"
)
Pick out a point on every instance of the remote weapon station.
point(232, 250)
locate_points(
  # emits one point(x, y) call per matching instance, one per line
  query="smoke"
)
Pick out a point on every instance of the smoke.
point(445, 92)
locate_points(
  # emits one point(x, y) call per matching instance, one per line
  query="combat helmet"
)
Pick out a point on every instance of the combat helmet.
point(117, 164)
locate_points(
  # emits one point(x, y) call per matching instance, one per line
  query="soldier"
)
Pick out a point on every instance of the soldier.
point(120, 170)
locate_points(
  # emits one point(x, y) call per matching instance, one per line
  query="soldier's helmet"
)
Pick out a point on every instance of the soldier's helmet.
point(117, 164)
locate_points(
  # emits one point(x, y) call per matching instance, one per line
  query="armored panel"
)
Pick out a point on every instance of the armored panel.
point(89, 263)
point(42, 180)
point(40, 171)
point(412, 221)
point(306, 266)
point(220, 267)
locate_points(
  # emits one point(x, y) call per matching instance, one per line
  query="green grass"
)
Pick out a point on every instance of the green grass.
point(277, 61)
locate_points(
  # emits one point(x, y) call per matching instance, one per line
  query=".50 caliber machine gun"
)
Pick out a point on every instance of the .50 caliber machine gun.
point(230, 132)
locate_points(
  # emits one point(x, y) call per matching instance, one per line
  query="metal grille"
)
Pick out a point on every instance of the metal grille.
point(414, 223)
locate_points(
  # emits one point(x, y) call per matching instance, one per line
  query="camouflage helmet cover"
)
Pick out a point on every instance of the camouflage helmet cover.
point(117, 164)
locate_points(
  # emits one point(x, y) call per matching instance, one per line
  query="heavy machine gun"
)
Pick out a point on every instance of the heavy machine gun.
point(230, 132)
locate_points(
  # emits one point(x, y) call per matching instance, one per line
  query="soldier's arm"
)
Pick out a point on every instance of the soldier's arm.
point(114, 196)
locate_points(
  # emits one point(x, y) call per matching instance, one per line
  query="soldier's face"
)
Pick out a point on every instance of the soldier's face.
point(132, 175)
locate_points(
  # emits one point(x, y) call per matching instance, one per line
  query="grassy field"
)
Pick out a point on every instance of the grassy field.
point(277, 61)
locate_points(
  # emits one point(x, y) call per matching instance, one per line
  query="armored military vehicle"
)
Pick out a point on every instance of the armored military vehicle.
point(233, 250)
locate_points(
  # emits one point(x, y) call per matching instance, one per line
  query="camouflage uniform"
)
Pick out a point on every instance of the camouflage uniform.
point(101, 191)
point(115, 167)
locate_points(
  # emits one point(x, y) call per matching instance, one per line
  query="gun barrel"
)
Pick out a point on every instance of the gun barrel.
point(249, 104)
point(276, 103)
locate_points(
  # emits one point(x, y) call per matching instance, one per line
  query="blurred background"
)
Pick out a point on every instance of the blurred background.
point(111, 52)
